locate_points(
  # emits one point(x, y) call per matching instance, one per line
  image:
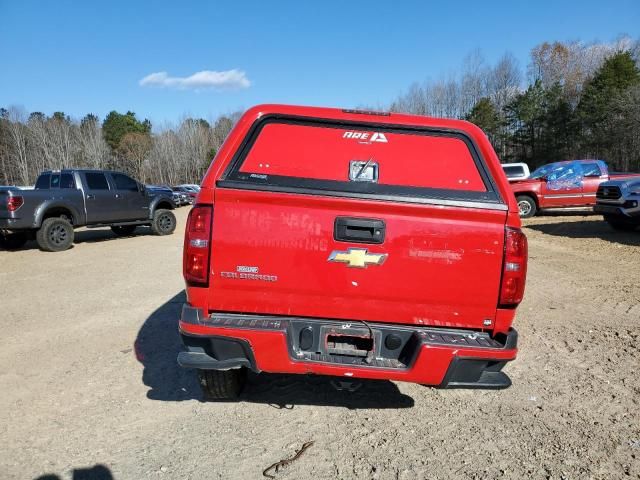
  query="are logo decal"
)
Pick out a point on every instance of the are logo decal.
point(366, 137)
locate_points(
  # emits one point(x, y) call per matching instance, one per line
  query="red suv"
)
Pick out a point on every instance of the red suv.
point(353, 244)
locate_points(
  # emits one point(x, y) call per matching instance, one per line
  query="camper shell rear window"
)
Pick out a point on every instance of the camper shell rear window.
point(360, 160)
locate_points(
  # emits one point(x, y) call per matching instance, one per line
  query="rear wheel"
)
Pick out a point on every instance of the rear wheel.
point(526, 206)
point(123, 230)
point(55, 235)
point(13, 241)
point(620, 224)
point(222, 384)
point(164, 222)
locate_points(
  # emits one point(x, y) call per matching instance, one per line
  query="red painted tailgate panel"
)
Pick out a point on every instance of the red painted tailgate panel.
point(443, 266)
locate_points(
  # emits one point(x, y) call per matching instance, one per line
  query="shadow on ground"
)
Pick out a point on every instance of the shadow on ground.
point(568, 212)
point(588, 229)
point(97, 472)
point(92, 235)
point(157, 346)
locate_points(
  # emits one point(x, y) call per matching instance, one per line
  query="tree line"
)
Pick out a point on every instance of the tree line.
point(580, 101)
point(574, 100)
point(30, 143)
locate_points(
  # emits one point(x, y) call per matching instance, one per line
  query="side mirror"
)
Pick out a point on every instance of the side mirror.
point(142, 188)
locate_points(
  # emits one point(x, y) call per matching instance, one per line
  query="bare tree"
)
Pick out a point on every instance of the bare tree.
point(505, 80)
point(62, 135)
point(41, 154)
point(414, 101)
point(53, 140)
point(19, 135)
point(623, 124)
point(134, 149)
point(162, 155)
point(474, 83)
point(571, 64)
point(95, 152)
point(454, 96)
point(176, 154)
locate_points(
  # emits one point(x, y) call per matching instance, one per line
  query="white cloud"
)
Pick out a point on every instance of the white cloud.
point(206, 79)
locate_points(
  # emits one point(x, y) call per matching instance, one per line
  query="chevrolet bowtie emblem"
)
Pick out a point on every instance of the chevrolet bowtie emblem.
point(357, 257)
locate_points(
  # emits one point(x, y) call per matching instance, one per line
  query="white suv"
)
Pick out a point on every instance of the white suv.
point(516, 171)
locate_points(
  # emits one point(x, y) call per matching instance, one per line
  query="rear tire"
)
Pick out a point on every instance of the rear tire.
point(55, 235)
point(123, 230)
point(222, 384)
point(526, 206)
point(164, 222)
point(620, 224)
point(13, 241)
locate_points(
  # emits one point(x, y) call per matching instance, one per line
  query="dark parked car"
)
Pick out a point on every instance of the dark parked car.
point(178, 198)
point(191, 187)
point(189, 193)
point(65, 199)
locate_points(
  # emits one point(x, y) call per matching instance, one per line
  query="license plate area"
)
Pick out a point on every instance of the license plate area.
point(350, 345)
point(350, 342)
point(608, 208)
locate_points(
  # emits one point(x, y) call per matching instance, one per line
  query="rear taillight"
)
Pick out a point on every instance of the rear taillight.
point(196, 246)
point(514, 271)
point(14, 203)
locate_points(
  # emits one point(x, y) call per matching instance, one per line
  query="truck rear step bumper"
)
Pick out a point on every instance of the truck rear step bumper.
point(448, 358)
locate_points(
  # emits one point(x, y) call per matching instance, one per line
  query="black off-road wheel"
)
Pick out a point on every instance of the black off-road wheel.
point(222, 384)
point(526, 206)
point(163, 223)
point(123, 230)
point(620, 224)
point(13, 241)
point(55, 235)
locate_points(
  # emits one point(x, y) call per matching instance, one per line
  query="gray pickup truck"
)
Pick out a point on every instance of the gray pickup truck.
point(65, 199)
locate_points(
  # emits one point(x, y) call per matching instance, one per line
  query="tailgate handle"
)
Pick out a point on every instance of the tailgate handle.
point(359, 230)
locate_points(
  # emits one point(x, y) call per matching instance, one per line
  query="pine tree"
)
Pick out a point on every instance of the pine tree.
point(117, 125)
point(613, 79)
point(526, 116)
point(485, 116)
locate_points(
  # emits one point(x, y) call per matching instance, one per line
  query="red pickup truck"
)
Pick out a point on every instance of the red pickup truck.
point(353, 244)
point(561, 185)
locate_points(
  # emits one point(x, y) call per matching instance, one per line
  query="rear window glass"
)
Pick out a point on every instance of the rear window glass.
point(400, 159)
point(43, 182)
point(317, 155)
point(67, 181)
point(55, 180)
point(591, 170)
point(96, 181)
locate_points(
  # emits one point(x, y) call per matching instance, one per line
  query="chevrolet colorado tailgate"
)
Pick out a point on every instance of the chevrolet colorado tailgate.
point(380, 258)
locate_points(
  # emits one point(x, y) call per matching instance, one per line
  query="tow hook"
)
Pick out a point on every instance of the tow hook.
point(346, 385)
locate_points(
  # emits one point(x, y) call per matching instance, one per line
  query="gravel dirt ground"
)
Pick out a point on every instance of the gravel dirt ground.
point(90, 386)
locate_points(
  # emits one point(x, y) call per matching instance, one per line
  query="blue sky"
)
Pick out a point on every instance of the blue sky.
point(85, 56)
